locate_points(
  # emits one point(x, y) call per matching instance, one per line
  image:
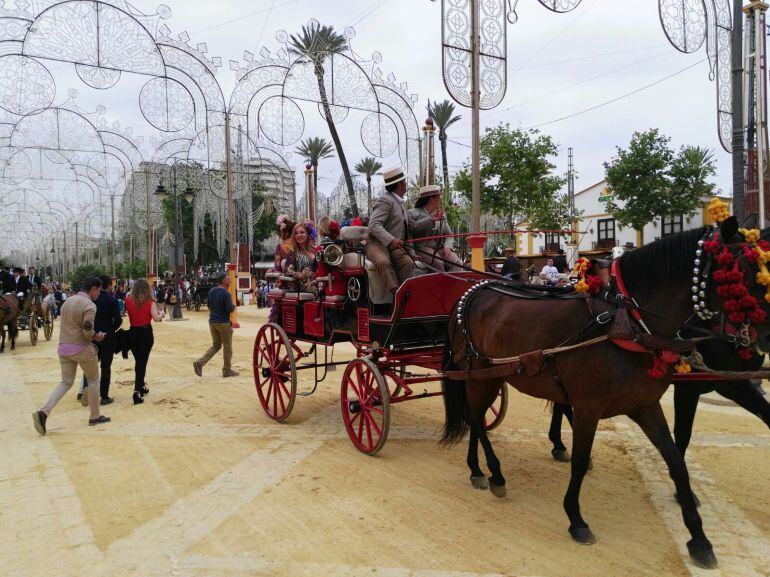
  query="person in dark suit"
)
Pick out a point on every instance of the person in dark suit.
point(6, 280)
point(107, 321)
point(511, 267)
point(33, 279)
point(19, 284)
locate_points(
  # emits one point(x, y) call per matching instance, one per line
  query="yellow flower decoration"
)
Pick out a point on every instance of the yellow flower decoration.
point(763, 276)
point(581, 286)
point(682, 367)
point(762, 256)
point(718, 210)
point(751, 235)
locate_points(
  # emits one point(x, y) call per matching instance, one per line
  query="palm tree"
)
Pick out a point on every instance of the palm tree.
point(368, 166)
point(315, 44)
point(314, 149)
point(443, 114)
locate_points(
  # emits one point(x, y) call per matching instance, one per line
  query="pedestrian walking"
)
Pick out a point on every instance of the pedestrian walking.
point(76, 331)
point(220, 305)
point(142, 310)
point(107, 321)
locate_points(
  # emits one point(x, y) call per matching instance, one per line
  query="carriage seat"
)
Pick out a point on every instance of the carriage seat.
point(354, 233)
point(289, 295)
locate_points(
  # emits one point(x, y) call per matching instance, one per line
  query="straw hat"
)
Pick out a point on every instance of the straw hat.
point(393, 175)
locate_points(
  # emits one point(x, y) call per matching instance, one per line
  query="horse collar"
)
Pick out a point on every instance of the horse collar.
point(700, 272)
point(623, 291)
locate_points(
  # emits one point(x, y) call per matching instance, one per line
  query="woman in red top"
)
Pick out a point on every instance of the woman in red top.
point(142, 310)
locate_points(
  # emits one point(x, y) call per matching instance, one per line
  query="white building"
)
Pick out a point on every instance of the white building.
point(598, 232)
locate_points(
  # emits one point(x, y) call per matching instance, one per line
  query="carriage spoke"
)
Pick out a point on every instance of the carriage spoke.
point(373, 421)
point(369, 434)
point(280, 396)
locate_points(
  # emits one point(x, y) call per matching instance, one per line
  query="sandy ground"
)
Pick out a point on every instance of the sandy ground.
point(198, 482)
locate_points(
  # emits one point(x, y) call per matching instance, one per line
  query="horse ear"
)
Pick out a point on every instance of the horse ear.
point(728, 229)
point(751, 221)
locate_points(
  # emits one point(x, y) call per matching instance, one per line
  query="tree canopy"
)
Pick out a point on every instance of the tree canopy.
point(649, 180)
point(517, 178)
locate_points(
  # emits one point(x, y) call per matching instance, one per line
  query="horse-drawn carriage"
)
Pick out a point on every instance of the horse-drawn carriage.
point(35, 313)
point(399, 340)
point(32, 313)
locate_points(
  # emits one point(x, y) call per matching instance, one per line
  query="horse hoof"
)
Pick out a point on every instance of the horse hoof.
point(497, 490)
point(694, 496)
point(479, 483)
point(561, 455)
point(582, 535)
point(702, 556)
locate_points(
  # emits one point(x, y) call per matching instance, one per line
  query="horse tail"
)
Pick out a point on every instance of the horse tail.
point(455, 403)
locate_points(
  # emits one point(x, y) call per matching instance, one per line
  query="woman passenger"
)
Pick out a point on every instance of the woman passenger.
point(301, 256)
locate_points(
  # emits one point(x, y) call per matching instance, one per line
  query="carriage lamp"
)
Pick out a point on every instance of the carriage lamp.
point(333, 255)
point(188, 194)
point(160, 192)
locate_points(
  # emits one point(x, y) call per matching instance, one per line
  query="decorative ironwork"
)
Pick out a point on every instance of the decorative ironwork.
point(456, 29)
point(271, 87)
point(687, 25)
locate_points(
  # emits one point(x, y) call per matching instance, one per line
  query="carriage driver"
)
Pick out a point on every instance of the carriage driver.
point(388, 229)
point(427, 219)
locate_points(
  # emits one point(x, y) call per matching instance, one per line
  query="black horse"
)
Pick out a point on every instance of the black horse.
point(718, 354)
point(601, 380)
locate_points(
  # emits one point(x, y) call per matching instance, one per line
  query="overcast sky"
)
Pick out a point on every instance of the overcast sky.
point(558, 65)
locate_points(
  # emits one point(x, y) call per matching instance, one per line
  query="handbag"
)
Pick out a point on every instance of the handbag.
point(172, 300)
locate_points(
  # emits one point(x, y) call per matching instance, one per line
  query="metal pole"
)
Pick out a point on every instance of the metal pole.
point(232, 267)
point(737, 111)
point(230, 206)
point(77, 246)
point(760, 114)
point(112, 243)
point(149, 224)
point(476, 244)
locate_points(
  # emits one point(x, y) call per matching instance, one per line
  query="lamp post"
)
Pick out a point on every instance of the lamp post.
point(178, 251)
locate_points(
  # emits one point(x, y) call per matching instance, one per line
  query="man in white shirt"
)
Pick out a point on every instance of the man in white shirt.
point(550, 274)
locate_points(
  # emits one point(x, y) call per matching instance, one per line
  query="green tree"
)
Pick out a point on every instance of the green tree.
point(368, 166)
point(314, 45)
point(78, 274)
point(517, 179)
point(265, 226)
point(443, 115)
point(649, 180)
point(314, 149)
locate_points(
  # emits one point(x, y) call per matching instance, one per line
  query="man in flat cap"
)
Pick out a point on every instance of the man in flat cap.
point(388, 229)
point(428, 220)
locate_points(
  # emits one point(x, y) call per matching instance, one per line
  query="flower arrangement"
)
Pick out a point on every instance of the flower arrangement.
point(587, 283)
point(718, 210)
point(281, 221)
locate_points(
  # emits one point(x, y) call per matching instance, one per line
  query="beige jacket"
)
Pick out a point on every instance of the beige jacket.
point(76, 323)
point(422, 225)
point(389, 219)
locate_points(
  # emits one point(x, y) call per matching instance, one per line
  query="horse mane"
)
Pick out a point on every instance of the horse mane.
point(661, 261)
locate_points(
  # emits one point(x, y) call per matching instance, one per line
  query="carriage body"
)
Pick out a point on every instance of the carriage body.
point(398, 344)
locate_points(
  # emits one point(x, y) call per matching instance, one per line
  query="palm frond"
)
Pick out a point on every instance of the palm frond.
point(443, 114)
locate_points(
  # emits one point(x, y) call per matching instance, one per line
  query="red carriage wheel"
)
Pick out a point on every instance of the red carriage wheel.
point(275, 373)
point(365, 405)
point(496, 413)
point(49, 322)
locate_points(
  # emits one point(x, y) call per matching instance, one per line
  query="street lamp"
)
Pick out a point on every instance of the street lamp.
point(161, 192)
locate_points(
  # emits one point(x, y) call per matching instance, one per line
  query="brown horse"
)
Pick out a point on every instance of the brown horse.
point(9, 313)
point(599, 381)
